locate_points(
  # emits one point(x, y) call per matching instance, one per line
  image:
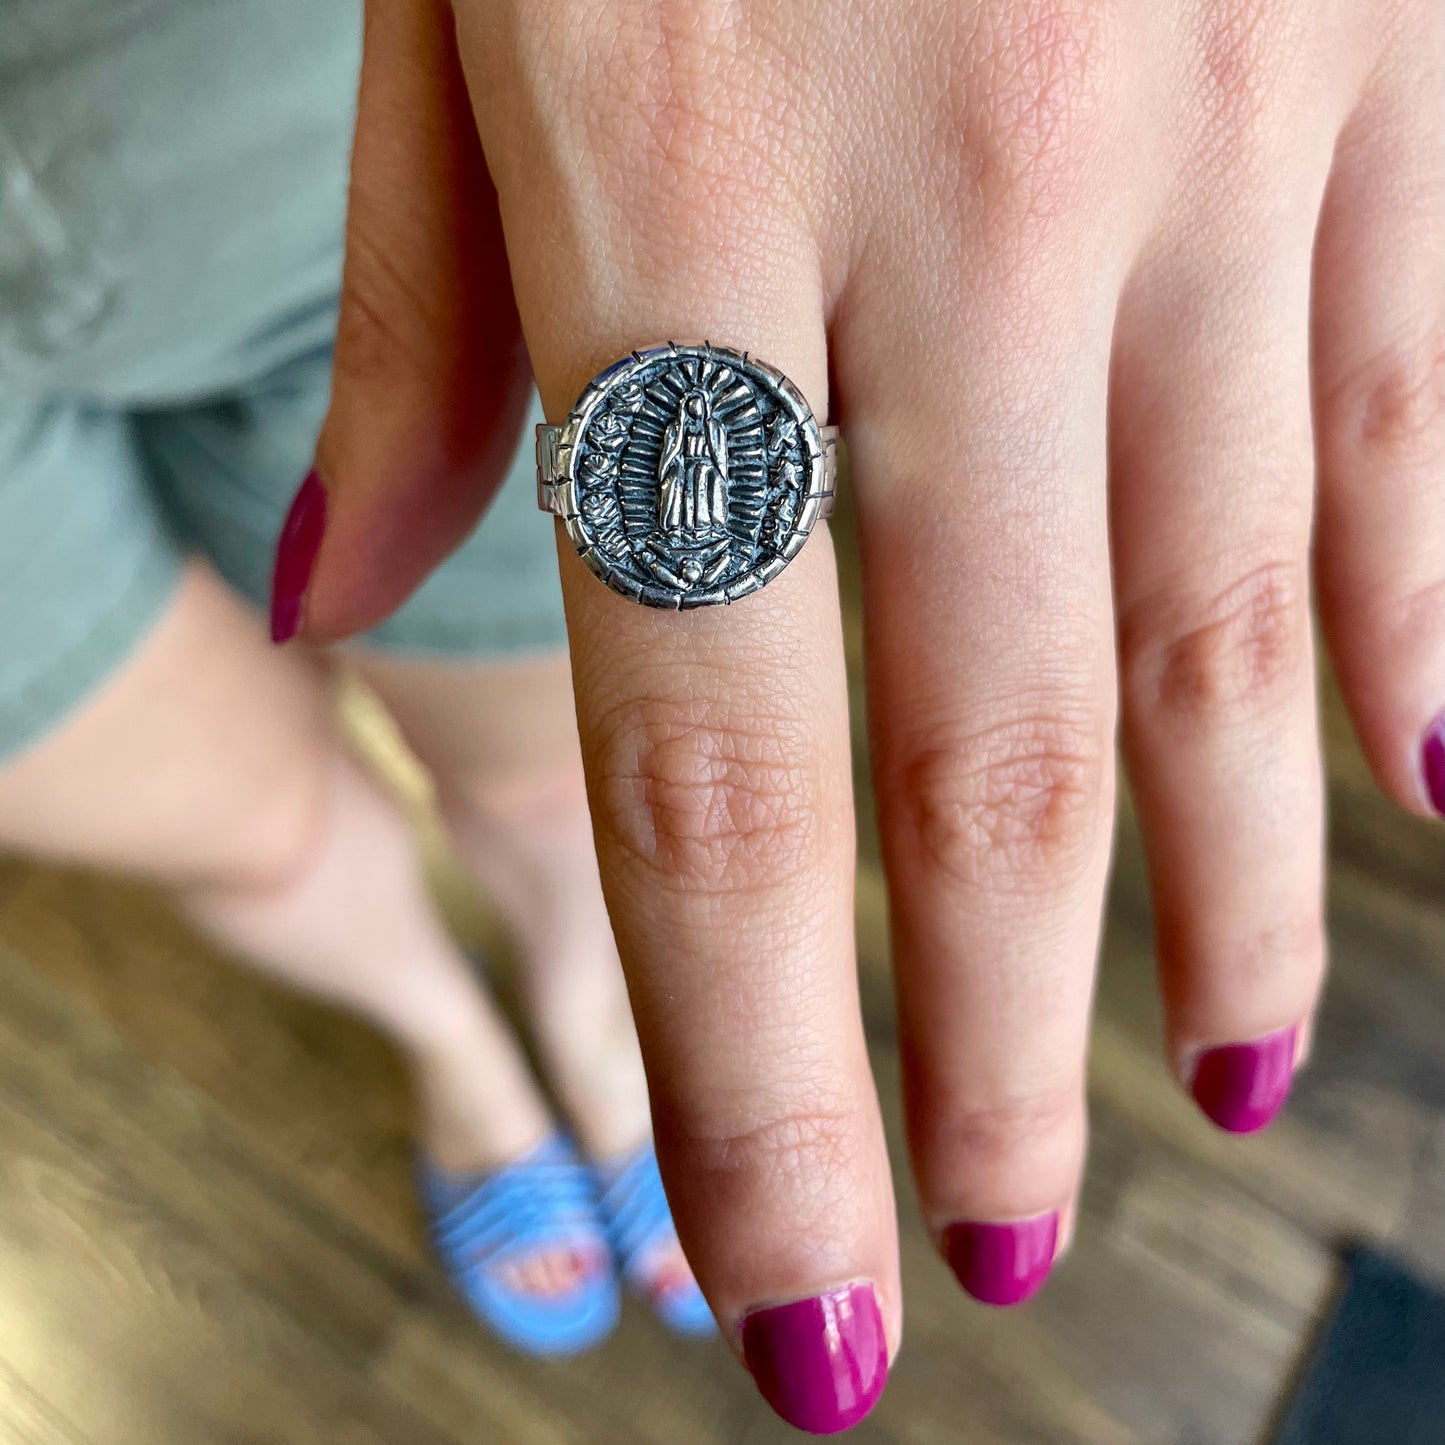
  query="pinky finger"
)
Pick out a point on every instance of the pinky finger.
point(1379, 377)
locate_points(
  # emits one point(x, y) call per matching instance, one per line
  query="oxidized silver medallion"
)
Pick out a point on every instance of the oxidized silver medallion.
point(687, 475)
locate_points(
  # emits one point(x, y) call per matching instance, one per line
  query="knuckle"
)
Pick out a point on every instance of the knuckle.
point(989, 1139)
point(685, 110)
point(1230, 42)
point(1396, 622)
point(384, 328)
point(1241, 651)
point(1249, 59)
point(1381, 634)
point(1410, 621)
point(706, 802)
point(1206, 977)
point(801, 1155)
point(1029, 99)
point(1391, 410)
point(1018, 805)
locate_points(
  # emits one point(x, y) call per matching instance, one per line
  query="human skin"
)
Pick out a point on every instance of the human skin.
point(1131, 314)
point(210, 763)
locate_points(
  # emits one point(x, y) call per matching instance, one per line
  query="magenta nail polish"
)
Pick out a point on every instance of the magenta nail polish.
point(296, 551)
point(1432, 764)
point(1241, 1087)
point(1002, 1264)
point(821, 1363)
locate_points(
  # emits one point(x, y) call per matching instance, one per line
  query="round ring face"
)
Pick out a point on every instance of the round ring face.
point(691, 475)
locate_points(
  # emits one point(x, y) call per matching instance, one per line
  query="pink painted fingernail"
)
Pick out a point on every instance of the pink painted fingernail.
point(821, 1362)
point(296, 551)
point(1241, 1087)
point(1002, 1264)
point(1432, 764)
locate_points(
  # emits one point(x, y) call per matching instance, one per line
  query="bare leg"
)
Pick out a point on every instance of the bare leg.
point(501, 745)
point(209, 762)
point(355, 926)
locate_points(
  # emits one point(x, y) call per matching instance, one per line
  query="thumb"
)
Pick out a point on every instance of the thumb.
point(431, 380)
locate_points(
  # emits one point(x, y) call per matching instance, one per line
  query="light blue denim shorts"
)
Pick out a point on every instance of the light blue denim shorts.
point(172, 192)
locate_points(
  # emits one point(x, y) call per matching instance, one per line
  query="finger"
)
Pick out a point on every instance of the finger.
point(715, 740)
point(1211, 484)
point(431, 378)
point(1379, 385)
point(716, 752)
point(978, 463)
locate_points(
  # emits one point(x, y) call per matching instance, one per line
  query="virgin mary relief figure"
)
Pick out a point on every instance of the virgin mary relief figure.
point(692, 470)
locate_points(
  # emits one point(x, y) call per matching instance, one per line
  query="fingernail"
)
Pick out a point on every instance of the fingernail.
point(1432, 764)
point(296, 551)
point(821, 1363)
point(1241, 1087)
point(1002, 1264)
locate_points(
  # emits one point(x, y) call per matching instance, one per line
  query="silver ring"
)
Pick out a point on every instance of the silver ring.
point(688, 475)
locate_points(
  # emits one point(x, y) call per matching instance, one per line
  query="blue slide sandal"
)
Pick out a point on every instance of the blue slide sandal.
point(481, 1222)
point(638, 1221)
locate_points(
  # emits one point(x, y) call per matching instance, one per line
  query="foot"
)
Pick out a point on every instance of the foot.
point(525, 1248)
point(644, 1242)
point(584, 1026)
point(533, 853)
point(482, 1115)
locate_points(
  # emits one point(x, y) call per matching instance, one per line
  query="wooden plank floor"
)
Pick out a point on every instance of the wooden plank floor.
point(207, 1235)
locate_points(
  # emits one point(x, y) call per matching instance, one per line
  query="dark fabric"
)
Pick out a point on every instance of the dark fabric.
point(1377, 1375)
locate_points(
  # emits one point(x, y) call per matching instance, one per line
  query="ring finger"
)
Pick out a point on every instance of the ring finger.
point(1212, 488)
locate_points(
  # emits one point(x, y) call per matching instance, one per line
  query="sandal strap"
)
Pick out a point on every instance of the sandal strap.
point(544, 1198)
point(635, 1211)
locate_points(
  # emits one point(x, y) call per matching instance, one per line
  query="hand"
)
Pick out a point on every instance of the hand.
point(1110, 293)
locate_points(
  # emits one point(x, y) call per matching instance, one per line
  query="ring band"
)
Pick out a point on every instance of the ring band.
point(687, 476)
